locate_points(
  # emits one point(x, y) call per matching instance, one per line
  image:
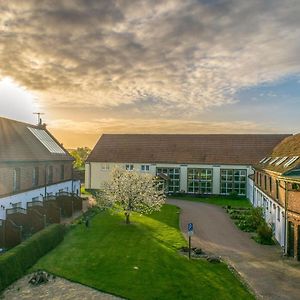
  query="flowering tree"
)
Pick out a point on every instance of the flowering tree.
point(130, 191)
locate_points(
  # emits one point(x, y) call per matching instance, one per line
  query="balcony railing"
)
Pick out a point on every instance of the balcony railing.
point(34, 203)
point(15, 210)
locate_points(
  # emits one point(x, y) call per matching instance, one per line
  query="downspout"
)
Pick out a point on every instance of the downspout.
point(286, 217)
point(72, 179)
point(45, 178)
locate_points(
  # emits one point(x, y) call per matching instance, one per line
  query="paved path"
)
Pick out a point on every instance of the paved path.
point(55, 289)
point(262, 267)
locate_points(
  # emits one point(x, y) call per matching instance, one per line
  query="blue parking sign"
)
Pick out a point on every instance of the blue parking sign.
point(190, 227)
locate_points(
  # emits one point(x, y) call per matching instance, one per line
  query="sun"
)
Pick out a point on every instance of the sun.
point(16, 102)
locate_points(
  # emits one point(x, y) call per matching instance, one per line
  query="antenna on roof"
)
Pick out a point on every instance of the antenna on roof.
point(39, 117)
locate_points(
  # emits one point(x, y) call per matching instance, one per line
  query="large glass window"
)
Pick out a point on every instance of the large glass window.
point(233, 181)
point(199, 181)
point(50, 174)
point(173, 183)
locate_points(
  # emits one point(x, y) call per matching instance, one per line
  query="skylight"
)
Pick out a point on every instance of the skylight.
point(266, 160)
point(262, 160)
point(273, 160)
point(281, 160)
point(47, 140)
point(292, 160)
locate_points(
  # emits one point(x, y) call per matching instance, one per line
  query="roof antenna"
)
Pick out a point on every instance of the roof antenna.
point(39, 117)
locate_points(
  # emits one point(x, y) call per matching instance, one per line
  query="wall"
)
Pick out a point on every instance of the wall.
point(271, 208)
point(26, 171)
point(96, 174)
point(39, 192)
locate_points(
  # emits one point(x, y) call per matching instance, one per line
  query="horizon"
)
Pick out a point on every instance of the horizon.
point(193, 67)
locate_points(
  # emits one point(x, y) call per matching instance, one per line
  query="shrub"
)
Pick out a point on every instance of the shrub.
point(15, 262)
point(255, 217)
point(264, 234)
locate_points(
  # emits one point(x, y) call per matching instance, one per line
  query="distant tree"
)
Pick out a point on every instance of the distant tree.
point(130, 191)
point(80, 154)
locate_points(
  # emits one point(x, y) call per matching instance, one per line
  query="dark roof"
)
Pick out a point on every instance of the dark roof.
point(289, 147)
point(184, 148)
point(18, 143)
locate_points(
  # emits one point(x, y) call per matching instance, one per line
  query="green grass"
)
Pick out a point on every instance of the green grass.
point(105, 255)
point(83, 191)
point(216, 200)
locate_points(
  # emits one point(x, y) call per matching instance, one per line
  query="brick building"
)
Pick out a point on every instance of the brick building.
point(33, 165)
point(276, 188)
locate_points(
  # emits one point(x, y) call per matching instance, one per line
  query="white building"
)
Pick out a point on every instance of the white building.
point(197, 163)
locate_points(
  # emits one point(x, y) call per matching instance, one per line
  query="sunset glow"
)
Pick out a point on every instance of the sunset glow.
point(147, 66)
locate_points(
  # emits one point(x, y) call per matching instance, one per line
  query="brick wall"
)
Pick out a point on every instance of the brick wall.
point(26, 175)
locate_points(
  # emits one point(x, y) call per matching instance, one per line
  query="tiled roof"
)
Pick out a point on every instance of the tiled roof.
point(236, 149)
point(18, 143)
point(289, 148)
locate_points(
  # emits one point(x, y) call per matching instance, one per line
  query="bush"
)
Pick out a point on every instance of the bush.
point(264, 234)
point(15, 262)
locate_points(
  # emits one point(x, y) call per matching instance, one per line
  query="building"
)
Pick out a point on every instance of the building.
point(197, 163)
point(33, 165)
point(276, 188)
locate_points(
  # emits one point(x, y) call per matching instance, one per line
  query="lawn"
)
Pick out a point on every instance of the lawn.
point(216, 200)
point(139, 261)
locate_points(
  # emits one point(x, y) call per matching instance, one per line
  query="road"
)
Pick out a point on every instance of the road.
point(262, 267)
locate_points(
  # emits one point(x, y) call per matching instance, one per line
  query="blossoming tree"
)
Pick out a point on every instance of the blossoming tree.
point(130, 191)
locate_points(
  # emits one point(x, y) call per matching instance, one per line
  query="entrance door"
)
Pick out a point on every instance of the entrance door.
point(291, 239)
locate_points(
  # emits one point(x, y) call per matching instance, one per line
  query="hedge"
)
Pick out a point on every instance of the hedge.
point(15, 262)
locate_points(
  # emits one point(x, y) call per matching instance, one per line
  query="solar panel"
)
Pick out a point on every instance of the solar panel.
point(292, 160)
point(273, 160)
point(47, 140)
point(281, 160)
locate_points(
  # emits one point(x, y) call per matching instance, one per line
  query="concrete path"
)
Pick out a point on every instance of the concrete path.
point(262, 267)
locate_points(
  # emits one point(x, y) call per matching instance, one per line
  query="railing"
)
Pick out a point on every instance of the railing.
point(63, 193)
point(14, 210)
point(34, 203)
point(50, 197)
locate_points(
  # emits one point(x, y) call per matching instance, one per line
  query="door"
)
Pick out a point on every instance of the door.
point(291, 239)
point(298, 246)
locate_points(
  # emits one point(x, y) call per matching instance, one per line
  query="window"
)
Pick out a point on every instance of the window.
point(62, 172)
point(277, 189)
point(296, 186)
point(233, 181)
point(129, 167)
point(104, 167)
point(16, 179)
point(259, 179)
point(270, 184)
point(173, 184)
point(16, 205)
point(278, 213)
point(35, 176)
point(280, 161)
point(291, 161)
point(199, 181)
point(265, 182)
point(145, 168)
point(50, 174)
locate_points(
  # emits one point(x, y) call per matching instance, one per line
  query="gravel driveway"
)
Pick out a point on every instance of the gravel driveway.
point(262, 267)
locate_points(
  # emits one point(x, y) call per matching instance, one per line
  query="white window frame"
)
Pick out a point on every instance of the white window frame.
point(104, 167)
point(129, 167)
point(145, 168)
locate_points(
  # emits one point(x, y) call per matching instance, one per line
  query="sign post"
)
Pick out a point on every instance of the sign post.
point(190, 233)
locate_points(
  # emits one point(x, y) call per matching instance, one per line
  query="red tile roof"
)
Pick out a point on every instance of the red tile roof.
point(236, 149)
point(288, 147)
point(18, 143)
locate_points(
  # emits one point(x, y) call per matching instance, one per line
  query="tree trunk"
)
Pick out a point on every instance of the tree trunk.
point(127, 215)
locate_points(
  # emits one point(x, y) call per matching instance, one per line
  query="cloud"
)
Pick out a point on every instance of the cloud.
point(113, 125)
point(154, 55)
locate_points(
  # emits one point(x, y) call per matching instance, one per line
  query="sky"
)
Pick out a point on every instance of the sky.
point(172, 66)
